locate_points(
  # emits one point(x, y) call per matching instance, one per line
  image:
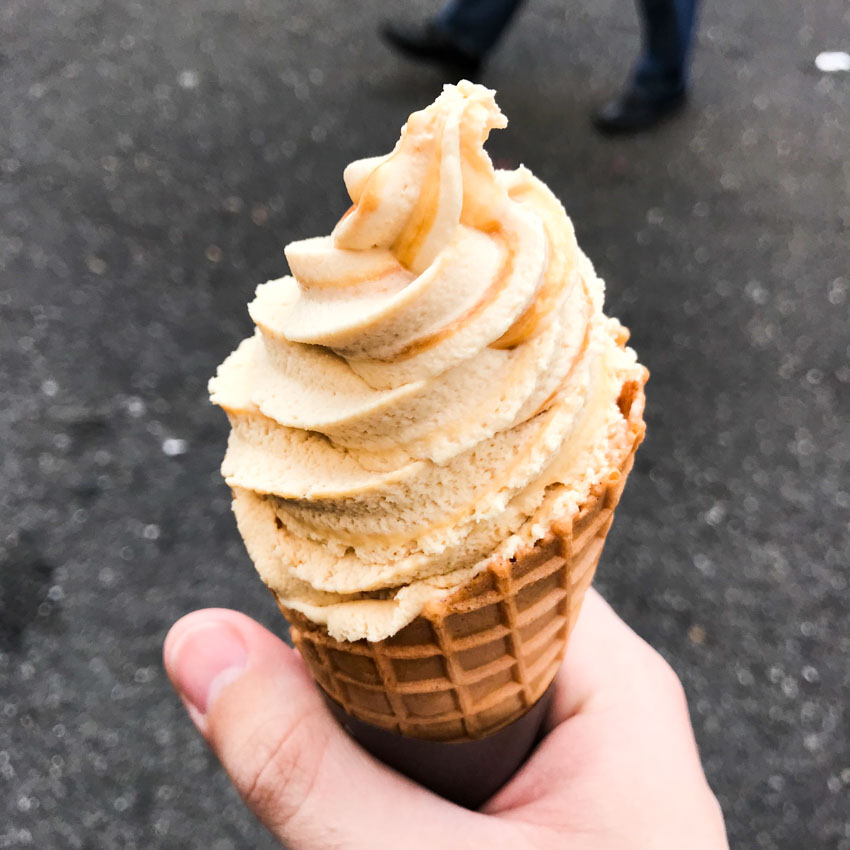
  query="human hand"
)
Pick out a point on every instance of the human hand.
point(617, 770)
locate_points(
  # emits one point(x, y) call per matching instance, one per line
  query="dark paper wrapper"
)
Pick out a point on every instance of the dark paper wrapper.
point(465, 772)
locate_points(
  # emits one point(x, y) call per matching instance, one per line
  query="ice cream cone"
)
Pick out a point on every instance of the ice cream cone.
point(430, 430)
point(475, 661)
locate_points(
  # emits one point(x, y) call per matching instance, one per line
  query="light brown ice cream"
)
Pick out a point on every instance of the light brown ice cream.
point(434, 382)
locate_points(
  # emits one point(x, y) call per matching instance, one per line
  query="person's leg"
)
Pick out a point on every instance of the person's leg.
point(662, 69)
point(476, 25)
point(658, 82)
point(457, 38)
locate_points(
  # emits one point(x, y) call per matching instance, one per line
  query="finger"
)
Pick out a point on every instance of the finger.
point(603, 655)
point(619, 722)
point(313, 787)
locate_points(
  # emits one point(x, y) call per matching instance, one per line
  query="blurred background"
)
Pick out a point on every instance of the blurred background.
point(155, 157)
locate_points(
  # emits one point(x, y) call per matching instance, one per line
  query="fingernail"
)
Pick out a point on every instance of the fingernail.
point(204, 659)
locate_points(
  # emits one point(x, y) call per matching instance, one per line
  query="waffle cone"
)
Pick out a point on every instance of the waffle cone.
point(478, 659)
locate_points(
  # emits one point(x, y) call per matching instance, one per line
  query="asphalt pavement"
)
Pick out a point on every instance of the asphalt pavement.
point(155, 157)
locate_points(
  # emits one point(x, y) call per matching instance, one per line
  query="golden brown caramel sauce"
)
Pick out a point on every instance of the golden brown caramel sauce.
point(527, 325)
point(409, 242)
point(369, 201)
point(498, 284)
point(347, 213)
point(579, 354)
point(281, 503)
point(483, 197)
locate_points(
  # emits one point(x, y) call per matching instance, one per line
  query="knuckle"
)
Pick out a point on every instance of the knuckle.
point(716, 812)
point(710, 814)
point(667, 683)
point(282, 774)
point(273, 761)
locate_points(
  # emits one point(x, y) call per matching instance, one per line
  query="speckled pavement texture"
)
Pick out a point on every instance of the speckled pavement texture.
point(154, 159)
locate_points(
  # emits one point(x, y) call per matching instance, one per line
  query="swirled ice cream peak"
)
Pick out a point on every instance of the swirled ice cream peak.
point(434, 372)
point(433, 261)
point(439, 176)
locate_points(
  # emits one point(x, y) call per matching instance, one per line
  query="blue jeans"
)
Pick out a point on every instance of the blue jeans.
point(667, 27)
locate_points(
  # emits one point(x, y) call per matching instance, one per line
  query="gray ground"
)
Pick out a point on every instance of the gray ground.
point(154, 159)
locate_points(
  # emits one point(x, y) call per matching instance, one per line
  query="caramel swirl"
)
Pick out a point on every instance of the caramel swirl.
point(417, 385)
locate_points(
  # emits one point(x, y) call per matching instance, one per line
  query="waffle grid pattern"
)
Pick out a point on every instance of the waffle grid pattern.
point(475, 661)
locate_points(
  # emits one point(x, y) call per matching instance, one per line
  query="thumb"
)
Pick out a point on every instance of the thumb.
point(313, 787)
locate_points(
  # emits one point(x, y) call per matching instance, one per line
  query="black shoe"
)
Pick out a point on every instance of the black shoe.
point(428, 43)
point(633, 112)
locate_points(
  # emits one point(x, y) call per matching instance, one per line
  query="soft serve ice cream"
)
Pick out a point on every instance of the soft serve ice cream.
point(430, 389)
